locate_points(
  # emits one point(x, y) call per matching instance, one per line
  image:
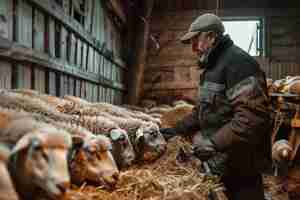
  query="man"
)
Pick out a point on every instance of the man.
point(231, 115)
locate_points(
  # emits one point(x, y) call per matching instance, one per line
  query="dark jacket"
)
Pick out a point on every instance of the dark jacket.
point(232, 110)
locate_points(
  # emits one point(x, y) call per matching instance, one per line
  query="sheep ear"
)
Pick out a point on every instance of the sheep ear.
point(139, 136)
point(22, 144)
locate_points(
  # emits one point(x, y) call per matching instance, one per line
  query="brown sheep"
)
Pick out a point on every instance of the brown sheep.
point(99, 166)
point(122, 148)
point(39, 157)
point(83, 142)
point(7, 190)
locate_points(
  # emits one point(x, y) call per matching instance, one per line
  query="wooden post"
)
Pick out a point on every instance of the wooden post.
point(138, 59)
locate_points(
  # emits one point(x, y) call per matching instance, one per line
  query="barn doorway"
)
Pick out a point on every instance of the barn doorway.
point(247, 34)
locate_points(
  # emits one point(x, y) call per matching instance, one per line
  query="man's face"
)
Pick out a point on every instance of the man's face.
point(202, 42)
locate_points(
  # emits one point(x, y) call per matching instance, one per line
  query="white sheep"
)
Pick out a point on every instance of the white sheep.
point(86, 108)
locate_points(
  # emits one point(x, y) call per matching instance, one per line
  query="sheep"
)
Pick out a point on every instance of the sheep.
point(96, 124)
point(90, 148)
point(92, 109)
point(7, 190)
point(122, 149)
point(59, 104)
point(38, 158)
point(145, 142)
point(33, 105)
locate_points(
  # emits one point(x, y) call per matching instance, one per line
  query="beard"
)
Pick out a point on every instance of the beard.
point(203, 59)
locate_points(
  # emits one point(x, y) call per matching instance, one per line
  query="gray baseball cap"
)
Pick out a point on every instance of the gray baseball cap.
point(203, 23)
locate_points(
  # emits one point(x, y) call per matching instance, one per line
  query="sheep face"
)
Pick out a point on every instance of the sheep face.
point(92, 162)
point(7, 191)
point(123, 151)
point(150, 142)
point(40, 162)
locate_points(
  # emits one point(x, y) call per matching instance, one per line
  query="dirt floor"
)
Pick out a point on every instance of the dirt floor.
point(165, 179)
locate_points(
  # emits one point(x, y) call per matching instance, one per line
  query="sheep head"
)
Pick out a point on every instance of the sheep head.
point(39, 162)
point(123, 151)
point(149, 142)
point(7, 191)
point(91, 161)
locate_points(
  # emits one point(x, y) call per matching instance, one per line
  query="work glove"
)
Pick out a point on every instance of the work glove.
point(204, 149)
point(168, 133)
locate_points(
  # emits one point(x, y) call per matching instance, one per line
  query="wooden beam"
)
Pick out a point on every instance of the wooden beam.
point(177, 85)
point(115, 6)
point(138, 61)
point(16, 52)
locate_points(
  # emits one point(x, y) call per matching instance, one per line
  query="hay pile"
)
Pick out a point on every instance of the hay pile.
point(165, 179)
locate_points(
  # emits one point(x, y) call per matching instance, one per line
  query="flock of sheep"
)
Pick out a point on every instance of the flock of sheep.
point(52, 142)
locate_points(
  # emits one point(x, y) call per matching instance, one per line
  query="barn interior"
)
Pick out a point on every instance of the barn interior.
point(73, 63)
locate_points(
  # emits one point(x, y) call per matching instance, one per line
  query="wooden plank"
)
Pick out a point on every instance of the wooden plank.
point(23, 76)
point(97, 28)
point(84, 57)
point(6, 19)
point(72, 49)
point(51, 37)
point(90, 92)
point(66, 6)
point(71, 86)
point(66, 85)
point(117, 9)
point(63, 42)
point(58, 39)
point(90, 63)
point(88, 17)
point(83, 89)
point(38, 31)
point(24, 23)
point(96, 62)
point(52, 83)
point(79, 53)
point(100, 93)
point(61, 88)
point(5, 75)
point(101, 70)
point(78, 89)
point(95, 93)
point(39, 80)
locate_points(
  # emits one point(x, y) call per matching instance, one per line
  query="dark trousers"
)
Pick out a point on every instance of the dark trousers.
point(244, 187)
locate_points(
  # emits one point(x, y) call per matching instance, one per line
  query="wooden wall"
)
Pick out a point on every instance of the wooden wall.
point(171, 71)
point(53, 49)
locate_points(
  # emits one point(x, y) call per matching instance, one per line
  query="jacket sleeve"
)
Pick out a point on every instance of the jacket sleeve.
point(249, 101)
point(189, 123)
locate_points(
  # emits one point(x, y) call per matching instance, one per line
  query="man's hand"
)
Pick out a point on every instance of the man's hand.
point(204, 149)
point(168, 133)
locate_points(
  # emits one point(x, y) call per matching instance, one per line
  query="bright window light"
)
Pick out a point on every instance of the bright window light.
point(245, 34)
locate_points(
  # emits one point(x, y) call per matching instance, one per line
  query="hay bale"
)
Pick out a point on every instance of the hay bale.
point(171, 117)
